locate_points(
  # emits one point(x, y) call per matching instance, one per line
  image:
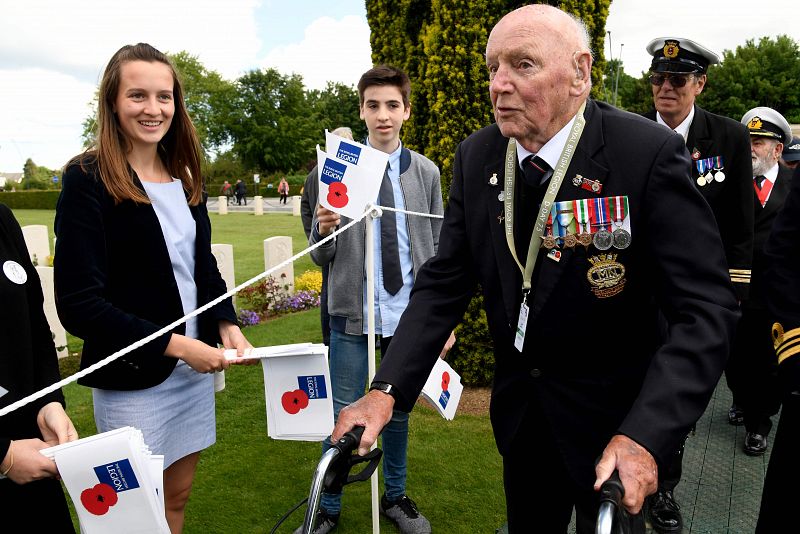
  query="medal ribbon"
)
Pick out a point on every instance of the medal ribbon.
point(547, 202)
point(600, 212)
point(718, 163)
point(582, 215)
point(620, 208)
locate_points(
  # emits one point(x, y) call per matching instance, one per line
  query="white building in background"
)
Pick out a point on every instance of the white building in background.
point(10, 177)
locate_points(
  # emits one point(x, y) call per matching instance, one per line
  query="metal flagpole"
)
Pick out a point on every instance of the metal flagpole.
point(370, 268)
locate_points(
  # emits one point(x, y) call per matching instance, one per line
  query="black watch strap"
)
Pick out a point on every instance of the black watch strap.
point(385, 388)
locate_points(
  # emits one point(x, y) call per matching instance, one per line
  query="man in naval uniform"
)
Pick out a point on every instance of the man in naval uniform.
point(721, 170)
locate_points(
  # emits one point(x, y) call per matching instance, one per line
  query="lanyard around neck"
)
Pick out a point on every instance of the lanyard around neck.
point(547, 202)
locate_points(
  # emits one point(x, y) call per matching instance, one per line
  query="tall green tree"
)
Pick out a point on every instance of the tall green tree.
point(441, 45)
point(756, 74)
point(201, 88)
point(335, 106)
point(265, 116)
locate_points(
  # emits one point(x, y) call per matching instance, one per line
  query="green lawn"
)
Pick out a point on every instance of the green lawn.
point(244, 231)
point(247, 481)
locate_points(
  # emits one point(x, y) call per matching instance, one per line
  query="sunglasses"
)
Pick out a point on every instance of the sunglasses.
point(676, 80)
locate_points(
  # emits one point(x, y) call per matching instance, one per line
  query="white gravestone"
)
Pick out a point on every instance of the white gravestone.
point(222, 205)
point(258, 203)
point(277, 250)
point(223, 254)
point(37, 239)
point(48, 290)
point(296, 206)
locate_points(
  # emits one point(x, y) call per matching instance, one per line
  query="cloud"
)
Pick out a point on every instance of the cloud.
point(79, 36)
point(331, 50)
point(42, 115)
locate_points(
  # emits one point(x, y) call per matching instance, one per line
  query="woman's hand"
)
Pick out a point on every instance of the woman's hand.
point(233, 338)
point(24, 463)
point(196, 354)
point(55, 425)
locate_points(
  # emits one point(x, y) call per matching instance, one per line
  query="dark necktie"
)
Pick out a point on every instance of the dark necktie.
point(759, 180)
point(534, 169)
point(390, 255)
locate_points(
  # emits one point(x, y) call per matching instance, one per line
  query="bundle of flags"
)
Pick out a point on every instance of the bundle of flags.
point(114, 481)
point(297, 389)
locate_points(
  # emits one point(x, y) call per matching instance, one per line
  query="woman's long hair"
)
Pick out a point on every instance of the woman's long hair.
point(179, 150)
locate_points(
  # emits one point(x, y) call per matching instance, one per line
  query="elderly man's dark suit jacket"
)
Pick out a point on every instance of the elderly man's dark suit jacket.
point(713, 135)
point(595, 363)
point(115, 285)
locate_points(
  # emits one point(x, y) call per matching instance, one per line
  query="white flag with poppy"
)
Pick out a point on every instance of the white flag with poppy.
point(115, 483)
point(443, 389)
point(297, 389)
point(350, 175)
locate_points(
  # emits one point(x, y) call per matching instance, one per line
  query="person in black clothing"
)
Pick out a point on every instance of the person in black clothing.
point(782, 295)
point(721, 171)
point(241, 192)
point(581, 369)
point(752, 364)
point(28, 363)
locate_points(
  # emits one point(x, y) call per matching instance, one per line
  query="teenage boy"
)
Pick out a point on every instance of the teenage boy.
point(402, 244)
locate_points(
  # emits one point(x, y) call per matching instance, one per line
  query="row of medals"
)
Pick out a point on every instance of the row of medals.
point(602, 239)
point(709, 177)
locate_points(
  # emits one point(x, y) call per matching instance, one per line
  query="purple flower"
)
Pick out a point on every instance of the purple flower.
point(248, 318)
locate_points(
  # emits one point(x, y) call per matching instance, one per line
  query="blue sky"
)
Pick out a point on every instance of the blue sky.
point(52, 53)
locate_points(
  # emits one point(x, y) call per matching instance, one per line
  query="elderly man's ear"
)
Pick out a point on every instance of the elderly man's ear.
point(583, 73)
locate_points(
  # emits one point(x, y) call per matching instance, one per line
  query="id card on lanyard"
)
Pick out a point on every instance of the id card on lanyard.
point(541, 219)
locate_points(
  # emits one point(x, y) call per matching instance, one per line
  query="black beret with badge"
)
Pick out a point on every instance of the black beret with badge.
point(766, 122)
point(679, 55)
point(791, 152)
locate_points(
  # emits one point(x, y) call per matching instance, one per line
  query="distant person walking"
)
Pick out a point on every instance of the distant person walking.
point(283, 189)
point(227, 190)
point(241, 192)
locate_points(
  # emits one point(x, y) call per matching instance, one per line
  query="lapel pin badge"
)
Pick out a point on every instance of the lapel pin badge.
point(493, 179)
point(585, 183)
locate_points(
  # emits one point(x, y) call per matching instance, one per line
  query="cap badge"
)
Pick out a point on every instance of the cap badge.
point(671, 49)
point(755, 124)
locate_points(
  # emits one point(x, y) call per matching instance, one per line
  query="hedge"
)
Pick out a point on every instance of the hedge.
point(32, 200)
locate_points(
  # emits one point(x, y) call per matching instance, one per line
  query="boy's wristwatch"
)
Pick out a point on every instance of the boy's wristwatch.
point(384, 388)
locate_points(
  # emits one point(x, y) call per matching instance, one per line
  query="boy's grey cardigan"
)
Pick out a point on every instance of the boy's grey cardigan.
point(422, 192)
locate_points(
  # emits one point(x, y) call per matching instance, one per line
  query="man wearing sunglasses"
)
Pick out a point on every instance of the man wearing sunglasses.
point(722, 171)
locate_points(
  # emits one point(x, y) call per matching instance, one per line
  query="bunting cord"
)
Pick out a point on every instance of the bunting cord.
point(373, 209)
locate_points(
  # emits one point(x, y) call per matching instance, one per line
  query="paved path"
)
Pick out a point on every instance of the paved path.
point(271, 205)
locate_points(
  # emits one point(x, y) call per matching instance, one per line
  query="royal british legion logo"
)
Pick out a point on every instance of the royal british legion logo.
point(314, 386)
point(119, 475)
point(348, 153)
point(332, 171)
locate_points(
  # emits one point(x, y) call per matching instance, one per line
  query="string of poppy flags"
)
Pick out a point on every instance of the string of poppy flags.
point(375, 210)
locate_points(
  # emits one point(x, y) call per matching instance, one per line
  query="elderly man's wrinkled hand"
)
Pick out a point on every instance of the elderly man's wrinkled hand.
point(637, 470)
point(372, 411)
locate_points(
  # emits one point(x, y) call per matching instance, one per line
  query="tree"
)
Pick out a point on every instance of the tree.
point(441, 45)
point(265, 115)
point(335, 106)
point(35, 177)
point(763, 74)
point(201, 88)
point(634, 95)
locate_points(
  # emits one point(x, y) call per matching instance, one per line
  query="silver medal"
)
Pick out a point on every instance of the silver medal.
point(719, 176)
point(603, 239)
point(622, 238)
